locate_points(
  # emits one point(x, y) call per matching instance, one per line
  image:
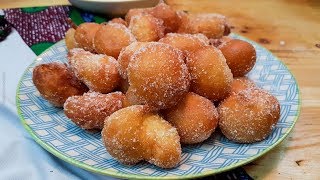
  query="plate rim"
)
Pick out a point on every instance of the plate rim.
point(82, 165)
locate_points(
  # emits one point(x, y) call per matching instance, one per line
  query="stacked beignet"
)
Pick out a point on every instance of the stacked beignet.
point(171, 68)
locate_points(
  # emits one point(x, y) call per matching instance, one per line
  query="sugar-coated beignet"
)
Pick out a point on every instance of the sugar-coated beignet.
point(195, 118)
point(125, 55)
point(157, 76)
point(99, 72)
point(111, 38)
point(84, 35)
point(162, 11)
point(91, 109)
point(242, 83)
point(182, 14)
point(185, 42)
point(161, 142)
point(56, 83)
point(169, 16)
point(70, 40)
point(211, 25)
point(135, 12)
point(133, 134)
point(240, 56)
point(210, 74)
point(119, 21)
point(146, 28)
point(248, 116)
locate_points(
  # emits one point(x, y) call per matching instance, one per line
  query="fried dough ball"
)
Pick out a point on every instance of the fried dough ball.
point(90, 110)
point(119, 21)
point(111, 38)
point(240, 84)
point(84, 35)
point(240, 56)
point(248, 116)
point(157, 76)
point(210, 74)
point(98, 72)
point(135, 12)
point(195, 118)
point(146, 28)
point(182, 14)
point(133, 134)
point(169, 16)
point(70, 40)
point(211, 25)
point(185, 42)
point(56, 83)
point(162, 11)
point(125, 55)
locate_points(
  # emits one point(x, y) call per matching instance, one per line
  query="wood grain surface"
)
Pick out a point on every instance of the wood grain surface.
point(290, 29)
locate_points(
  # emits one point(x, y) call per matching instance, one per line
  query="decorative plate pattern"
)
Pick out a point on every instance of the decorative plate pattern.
point(57, 134)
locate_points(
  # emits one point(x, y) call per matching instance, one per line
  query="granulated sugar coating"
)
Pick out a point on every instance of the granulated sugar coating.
point(241, 83)
point(134, 12)
point(169, 16)
point(210, 74)
point(125, 56)
point(70, 40)
point(157, 76)
point(98, 72)
point(249, 115)
point(211, 25)
point(195, 118)
point(146, 28)
point(84, 35)
point(240, 56)
point(185, 42)
point(119, 21)
point(111, 38)
point(90, 110)
point(56, 83)
point(133, 134)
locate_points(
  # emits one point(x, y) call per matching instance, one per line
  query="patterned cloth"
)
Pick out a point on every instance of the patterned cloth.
point(41, 27)
point(5, 28)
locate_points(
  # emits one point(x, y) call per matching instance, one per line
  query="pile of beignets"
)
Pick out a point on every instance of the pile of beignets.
point(152, 81)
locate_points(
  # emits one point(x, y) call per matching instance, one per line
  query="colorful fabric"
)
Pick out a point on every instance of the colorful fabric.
point(41, 27)
point(5, 28)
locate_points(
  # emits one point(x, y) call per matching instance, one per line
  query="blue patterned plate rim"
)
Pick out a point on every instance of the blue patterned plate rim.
point(133, 176)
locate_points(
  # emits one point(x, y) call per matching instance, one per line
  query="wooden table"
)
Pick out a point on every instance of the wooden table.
point(291, 30)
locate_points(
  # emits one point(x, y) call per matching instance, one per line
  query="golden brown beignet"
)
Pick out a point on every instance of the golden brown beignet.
point(99, 72)
point(91, 109)
point(56, 82)
point(211, 76)
point(157, 76)
point(194, 117)
point(133, 134)
point(248, 116)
